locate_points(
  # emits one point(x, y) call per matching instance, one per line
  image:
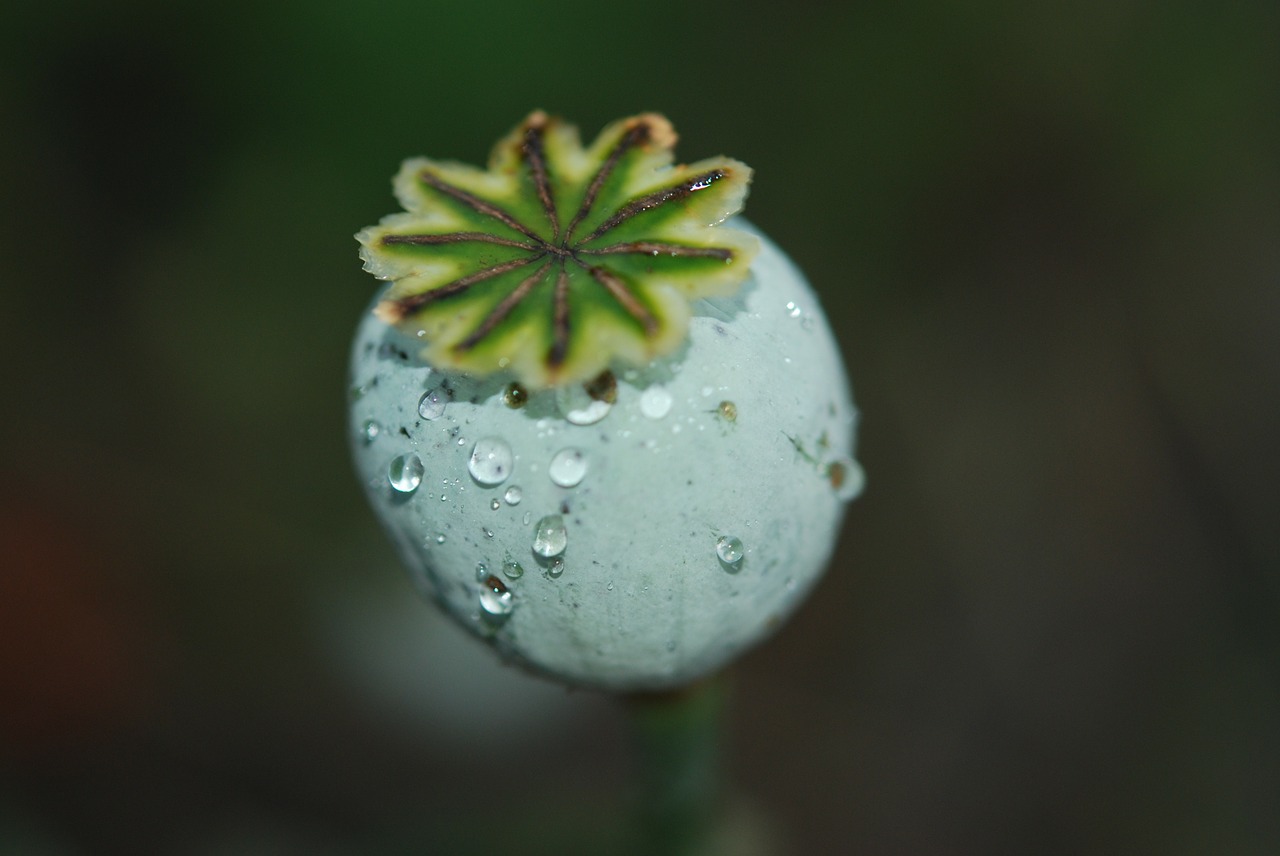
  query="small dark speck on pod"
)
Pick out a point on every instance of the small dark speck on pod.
point(405, 431)
point(564, 507)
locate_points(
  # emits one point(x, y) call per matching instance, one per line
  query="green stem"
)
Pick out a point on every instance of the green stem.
point(678, 737)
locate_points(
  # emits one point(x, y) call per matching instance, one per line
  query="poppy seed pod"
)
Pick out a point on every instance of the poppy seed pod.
point(609, 433)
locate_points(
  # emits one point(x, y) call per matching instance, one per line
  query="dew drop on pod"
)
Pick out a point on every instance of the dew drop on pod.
point(606, 426)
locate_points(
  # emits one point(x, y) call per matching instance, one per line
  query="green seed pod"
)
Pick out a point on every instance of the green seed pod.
point(608, 435)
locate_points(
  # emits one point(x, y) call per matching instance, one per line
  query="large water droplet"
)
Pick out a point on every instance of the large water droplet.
point(655, 402)
point(568, 467)
point(369, 431)
point(491, 461)
point(551, 537)
point(577, 405)
point(847, 478)
point(431, 405)
point(513, 495)
point(729, 550)
point(495, 600)
point(405, 473)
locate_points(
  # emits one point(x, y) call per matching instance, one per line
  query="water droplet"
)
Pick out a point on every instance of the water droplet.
point(431, 405)
point(847, 478)
point(526, 518)
point(655, 402)
point(792, 309)
point(555, 568)
point(579, 408)
point(494, 504)
point(440, 538)
point(515, 396)
point(513, 495)
point(609, 587)
point(603, 387)
point(369, 431)
point(495, 600)
point(728, 411)
point(491, 461)
point(807, 322)
point(488, 533)
point(568, 467)
point(482, 571)
point(551, 537)
point(511, 568)
point(729, 550)
point(405, 473)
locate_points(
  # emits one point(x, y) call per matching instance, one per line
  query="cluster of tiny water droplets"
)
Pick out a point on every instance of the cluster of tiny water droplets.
point(404, 473)
point(551, 537)
point(491, 461)
point(794, 310)
point(431, 405)
point(568, 467)
point(729, 551)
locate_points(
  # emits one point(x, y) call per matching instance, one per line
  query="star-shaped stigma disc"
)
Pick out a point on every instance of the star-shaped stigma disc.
point(557, 260)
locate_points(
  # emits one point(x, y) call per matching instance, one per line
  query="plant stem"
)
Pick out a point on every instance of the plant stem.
point(677, 737)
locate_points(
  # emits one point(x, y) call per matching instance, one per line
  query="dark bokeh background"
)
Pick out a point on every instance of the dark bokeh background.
point(1049, 240)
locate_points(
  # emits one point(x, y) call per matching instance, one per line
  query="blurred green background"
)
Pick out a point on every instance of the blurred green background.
point(1049, 241)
